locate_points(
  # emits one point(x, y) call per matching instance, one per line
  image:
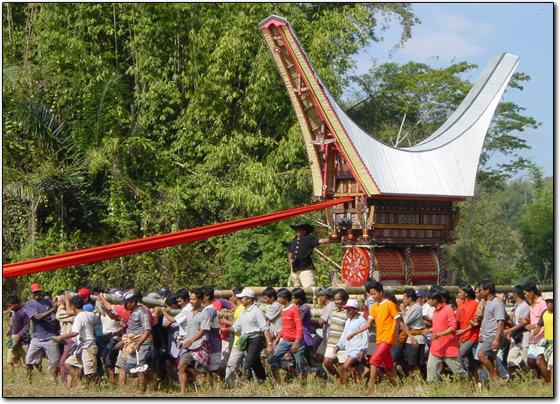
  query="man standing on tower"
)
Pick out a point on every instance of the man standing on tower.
point(299, 257)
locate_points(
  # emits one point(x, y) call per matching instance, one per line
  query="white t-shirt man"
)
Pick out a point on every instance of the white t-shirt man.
point(83, 325)
point(181, 319)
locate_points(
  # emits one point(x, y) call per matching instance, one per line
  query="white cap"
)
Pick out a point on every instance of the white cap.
point(548, 296)
point(352, 303)
point(247, 292)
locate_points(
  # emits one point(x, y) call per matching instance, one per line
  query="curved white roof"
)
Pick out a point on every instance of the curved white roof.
point(443, 165)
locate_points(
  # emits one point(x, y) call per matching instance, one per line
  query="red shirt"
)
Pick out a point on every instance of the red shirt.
point(465, 312)
point(446, 346)
point(292, 327)
point(219, 306)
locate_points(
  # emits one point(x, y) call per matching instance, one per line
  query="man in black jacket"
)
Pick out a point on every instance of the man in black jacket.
point(299, 257)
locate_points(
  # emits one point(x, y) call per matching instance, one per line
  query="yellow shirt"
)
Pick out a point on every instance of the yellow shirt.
point(235, 315)
point(385, 315)
point(548, 324)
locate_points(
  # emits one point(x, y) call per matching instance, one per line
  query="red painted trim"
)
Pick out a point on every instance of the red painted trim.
point(272, 21)
point(298, 100)
point(312, 97)
point(320, 110)
point(340, 123)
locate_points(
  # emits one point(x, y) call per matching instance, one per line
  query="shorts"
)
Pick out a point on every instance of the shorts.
point(120, 363)
point(226, 351)
point(16, 353)
point(414, 356)
point(36, 347)
point(144, 357)
point(215, 361)
point(516, 356)
point(340, 355)
point(188, 359)
point(86, 360)
point(304, 278)
point(486, 348)
point(322, 347)
point(371, 342)
point(354, 353)
point(535, 351)
point(382, 356)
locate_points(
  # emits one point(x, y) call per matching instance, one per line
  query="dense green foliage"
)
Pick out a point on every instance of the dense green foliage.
point(506, 235)
point(123, 120)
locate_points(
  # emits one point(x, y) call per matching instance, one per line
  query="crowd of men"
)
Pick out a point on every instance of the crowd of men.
point(197, 338)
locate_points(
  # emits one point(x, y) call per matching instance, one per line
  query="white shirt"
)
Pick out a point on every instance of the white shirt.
point(181, 319)
point(427, 310)
point(109, 325)
point(83, 325)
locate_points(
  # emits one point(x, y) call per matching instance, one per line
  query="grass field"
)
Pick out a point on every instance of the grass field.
point(15, 384)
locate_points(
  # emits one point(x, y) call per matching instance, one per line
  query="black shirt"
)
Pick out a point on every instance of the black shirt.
point(301, 251)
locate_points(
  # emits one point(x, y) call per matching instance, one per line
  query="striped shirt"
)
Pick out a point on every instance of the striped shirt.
point(292, 327)
point(337, 321)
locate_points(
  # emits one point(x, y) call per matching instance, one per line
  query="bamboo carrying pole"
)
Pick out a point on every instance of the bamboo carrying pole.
point(354, 292)
point(225, 294)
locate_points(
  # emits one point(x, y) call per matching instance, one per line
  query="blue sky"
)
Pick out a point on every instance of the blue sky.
point(476, 32)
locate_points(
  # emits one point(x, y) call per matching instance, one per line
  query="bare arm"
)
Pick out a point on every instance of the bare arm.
point(106, 305)
point(200, 333)
point(168, 316)
point(536, 331)
point(143, 338)
point(407, 331)
point(522, 323)
point(66, 336)
point(48, 313)
point(69, 311)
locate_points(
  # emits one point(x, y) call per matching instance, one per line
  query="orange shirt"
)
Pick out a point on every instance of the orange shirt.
point(466, 312)
point(385, 315)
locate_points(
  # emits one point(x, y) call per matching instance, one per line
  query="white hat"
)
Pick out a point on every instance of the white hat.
point(352, 303)
point(548, 296)
point(247, 292)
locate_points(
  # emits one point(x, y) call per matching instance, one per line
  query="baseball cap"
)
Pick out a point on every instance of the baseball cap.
point(88, 307)
point(548, 296)
point(113, 290)
point(35, 287)
point(153, 295)
point(420, 293)
point(247, 292)
point(324, 291)
point(352, 303)
point(84, 292)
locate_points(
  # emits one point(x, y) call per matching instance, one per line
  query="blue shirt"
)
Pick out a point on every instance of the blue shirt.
point(42, 329)
point(360, 341)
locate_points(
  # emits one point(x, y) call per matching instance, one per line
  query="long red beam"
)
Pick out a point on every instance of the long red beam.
point(155, 242)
